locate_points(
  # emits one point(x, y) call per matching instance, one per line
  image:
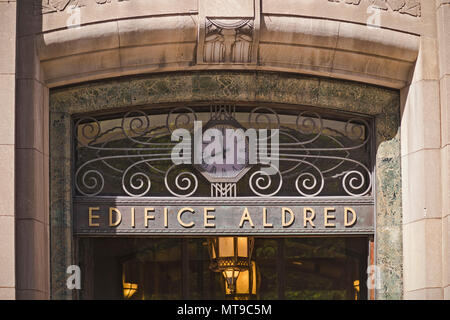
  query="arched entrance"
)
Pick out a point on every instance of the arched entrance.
point(126, 187)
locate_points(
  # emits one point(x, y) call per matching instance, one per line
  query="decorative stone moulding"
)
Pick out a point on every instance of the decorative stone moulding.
point(409, 7)
point(139, 36)
point(49, 6)
point(230, 35)
point(228, 41)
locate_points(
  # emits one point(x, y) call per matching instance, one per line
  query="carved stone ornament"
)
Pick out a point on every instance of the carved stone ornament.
point(228, 41)
point(49, 6)
point(409, 7)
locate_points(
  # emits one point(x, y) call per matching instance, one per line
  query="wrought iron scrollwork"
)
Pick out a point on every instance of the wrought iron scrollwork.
point(182, 183)
point(261, 182)
point(131, 155)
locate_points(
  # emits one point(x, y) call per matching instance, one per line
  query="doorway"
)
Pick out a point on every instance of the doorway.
point(291, 268)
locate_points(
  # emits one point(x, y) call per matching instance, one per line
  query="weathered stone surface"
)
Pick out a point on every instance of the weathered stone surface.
point(178, 40)
point(393, 14)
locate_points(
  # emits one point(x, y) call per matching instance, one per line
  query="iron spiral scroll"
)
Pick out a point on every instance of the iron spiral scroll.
point(130, 155)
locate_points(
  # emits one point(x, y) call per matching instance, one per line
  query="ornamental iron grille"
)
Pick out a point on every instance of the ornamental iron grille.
point(129, 154)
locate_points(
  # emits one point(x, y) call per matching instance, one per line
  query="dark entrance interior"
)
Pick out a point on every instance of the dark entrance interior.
point(178, 268)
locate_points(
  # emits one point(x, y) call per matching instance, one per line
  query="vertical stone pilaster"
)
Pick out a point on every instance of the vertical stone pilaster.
point(443, 29)
point(422, 172)
point(31, 181)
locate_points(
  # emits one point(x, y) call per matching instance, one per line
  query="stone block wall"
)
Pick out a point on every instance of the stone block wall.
point(401, 44)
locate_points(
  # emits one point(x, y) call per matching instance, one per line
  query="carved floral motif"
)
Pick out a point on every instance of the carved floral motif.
point(409, 7)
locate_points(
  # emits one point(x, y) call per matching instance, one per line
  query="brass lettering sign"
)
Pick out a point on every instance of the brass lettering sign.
point(236, 217)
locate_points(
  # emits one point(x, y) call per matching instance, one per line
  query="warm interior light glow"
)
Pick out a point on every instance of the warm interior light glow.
point(129, 289)
point(231, 276)
point(231, 273)
point(245, 283)
point(242, 247)
point(356, 286)
point(231, 255)
point(226, 246)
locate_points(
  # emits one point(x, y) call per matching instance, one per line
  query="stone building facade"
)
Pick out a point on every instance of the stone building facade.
point(385, 59)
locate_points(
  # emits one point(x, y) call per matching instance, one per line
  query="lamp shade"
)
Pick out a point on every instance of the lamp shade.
point(129, 289)
point(129, 282)
point(230, 253)
point(245, 286)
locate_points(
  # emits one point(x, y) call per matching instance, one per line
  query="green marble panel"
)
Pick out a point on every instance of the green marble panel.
point(91, 97)
point(159, 89)
point(285, 88)
point(224, 86)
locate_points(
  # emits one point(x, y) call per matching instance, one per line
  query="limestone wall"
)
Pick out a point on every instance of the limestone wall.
point(400, 44)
